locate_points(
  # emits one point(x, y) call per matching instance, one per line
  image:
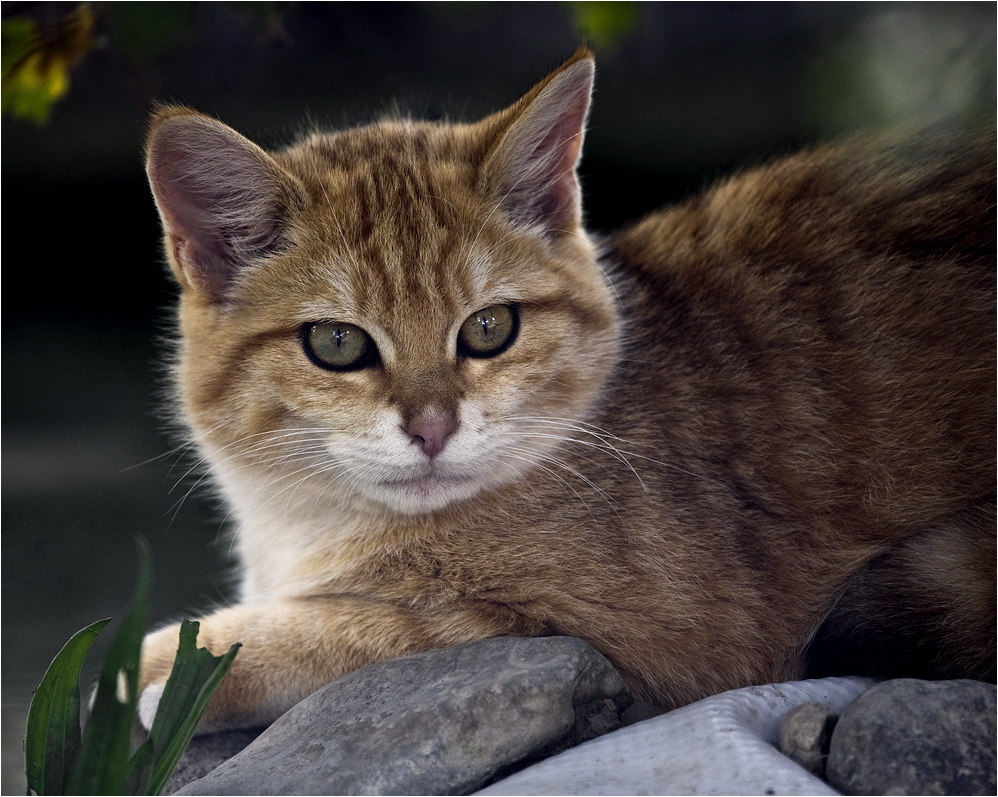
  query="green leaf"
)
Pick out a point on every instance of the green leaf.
point(52, 737)
point(32, 82)
point(36, 63)
point(104, 758)
point(605, 23)
point(139, 770)
point(195, 676)
point(58, 761)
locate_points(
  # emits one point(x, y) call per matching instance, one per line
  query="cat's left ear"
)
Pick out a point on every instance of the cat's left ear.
point(531, 170)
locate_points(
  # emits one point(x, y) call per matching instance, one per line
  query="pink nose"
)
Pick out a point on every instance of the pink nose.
point(430, 432)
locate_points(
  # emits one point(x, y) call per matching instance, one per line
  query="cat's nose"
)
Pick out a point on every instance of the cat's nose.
point(430, 432)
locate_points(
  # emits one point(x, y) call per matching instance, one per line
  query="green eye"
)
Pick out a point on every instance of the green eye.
point(338, 347)
point(488, 332)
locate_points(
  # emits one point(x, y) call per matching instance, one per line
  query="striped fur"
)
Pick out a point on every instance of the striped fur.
point(762, 418)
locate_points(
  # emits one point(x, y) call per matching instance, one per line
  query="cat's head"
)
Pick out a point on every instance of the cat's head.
point(407, 312)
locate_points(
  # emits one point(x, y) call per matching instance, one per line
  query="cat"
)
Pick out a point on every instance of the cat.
point(744, 429)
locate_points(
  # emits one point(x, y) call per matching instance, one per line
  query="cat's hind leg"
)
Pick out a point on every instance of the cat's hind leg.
point(924, 609)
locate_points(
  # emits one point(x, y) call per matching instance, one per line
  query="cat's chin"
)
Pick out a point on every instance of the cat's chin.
point(421, 495)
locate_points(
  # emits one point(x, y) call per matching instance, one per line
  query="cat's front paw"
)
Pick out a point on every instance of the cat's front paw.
point(149, 704)
point(240, 699)
point(159, 649)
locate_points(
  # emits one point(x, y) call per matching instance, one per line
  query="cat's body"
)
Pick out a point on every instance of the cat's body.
point(763, 415)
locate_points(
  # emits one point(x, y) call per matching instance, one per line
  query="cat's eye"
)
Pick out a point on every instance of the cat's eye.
point(338, 347)
point(489, 331)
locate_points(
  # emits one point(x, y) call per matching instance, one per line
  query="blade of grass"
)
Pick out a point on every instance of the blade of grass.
point(195, 676)
point(52, 738)
point(104, 758)
point(59, 761)
point(139, 770)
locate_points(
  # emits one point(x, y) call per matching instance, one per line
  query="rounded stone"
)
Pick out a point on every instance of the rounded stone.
point(805, 733)
point(907, 736)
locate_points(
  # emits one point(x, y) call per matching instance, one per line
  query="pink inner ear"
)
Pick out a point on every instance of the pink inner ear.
point(219, 196)
point(195, 240)
point(203, 268)
point(542, 149)
point(558, 202)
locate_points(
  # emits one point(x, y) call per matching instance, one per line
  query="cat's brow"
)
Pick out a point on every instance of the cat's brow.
point(332, 214)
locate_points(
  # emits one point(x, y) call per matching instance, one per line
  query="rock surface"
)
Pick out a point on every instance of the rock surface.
point(805, 734)
point(521, 716)
point(205, 753)
point(725, 744)
point(443, 722)
point(917, 737)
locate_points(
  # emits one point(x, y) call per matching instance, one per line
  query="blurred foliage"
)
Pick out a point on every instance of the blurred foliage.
point(904, 64)
point(143, 32)
point(41, 47)
point(37, 59)
point(604, 24)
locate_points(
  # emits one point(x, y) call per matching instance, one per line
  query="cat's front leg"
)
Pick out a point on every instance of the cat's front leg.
point(290, 648)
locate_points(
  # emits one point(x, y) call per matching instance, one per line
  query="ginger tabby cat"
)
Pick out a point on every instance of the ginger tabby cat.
point(747, 439)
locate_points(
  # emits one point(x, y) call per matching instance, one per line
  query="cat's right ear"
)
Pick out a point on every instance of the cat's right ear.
point(221, 198)
point(532, 169)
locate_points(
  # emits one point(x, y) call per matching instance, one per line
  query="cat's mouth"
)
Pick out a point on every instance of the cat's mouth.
point(425, 492)
point(427, 483)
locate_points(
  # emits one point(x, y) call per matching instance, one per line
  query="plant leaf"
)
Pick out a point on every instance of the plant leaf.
point(604, 23)
point(195, 676)
point(139, 770)
point(52, 736)
point(104, 758)
point(37, 61)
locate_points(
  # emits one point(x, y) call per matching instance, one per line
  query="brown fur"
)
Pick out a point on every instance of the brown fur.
point(775, 418)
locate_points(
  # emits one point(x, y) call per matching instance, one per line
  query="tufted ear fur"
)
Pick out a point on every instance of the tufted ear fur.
point(531, 170)
point(221, 199)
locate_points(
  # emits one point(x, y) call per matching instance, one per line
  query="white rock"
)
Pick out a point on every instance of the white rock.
point(725, 744)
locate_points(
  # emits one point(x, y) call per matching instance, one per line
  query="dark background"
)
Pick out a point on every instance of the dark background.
point(685, 92)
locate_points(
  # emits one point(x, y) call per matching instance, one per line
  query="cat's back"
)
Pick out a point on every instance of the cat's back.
point(922, 194)
point(833, 314)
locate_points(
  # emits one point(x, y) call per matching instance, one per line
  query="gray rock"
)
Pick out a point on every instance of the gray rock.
point(917, 737)
point(725, 744)
point(443, 722)
point(639, 711)
point(805, 733)
point(204, 753)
